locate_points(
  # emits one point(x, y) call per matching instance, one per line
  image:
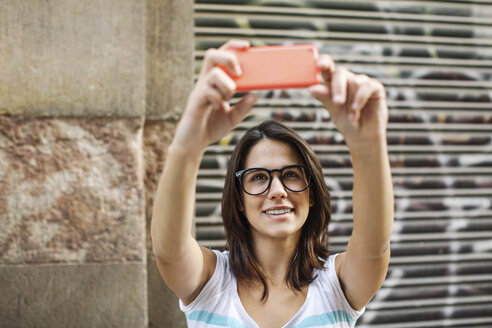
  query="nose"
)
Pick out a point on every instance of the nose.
point(277, 189)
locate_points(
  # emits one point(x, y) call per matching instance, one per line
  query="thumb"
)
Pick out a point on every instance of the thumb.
point(239, 111)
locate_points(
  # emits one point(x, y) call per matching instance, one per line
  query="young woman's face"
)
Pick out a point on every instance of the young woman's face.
point(278, 212)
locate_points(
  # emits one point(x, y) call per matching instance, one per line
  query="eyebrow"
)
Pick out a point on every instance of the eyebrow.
point(262, 167)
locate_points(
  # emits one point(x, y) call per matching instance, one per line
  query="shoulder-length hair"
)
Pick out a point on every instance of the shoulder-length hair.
point(312, 248)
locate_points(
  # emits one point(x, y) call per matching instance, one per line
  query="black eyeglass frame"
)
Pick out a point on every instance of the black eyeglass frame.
point(239, 175)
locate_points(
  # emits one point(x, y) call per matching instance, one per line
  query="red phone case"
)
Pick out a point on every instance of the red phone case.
point(277, 67)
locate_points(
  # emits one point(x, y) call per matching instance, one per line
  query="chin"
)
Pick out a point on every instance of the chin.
point(284, 233)
point(277, 229)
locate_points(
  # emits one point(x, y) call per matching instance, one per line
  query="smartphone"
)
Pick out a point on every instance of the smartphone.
point(277, 67)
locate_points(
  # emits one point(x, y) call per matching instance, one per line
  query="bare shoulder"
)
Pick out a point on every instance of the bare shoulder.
point(209, 259)
point(339, 261)
point(209, 264)
point(188, 276)
point(360, 277)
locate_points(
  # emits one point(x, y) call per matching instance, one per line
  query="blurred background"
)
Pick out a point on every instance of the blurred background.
point(90, 94)
point(435, 59)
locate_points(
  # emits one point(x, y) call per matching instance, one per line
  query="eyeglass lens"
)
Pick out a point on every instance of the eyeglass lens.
point(257, 181)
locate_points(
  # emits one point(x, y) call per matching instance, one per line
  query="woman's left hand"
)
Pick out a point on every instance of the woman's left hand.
point(356, 103)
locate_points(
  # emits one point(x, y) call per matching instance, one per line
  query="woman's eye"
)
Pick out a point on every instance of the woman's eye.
point(291, 174)
point(259, 177)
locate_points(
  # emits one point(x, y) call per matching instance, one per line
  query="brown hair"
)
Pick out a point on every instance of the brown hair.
point(312, 249)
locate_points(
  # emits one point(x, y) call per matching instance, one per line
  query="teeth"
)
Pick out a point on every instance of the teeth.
point(278, 212)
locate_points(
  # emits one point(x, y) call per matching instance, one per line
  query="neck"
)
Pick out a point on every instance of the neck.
point(274, 256)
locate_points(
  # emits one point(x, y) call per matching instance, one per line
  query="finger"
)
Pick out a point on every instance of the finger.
point(222, 82)
point(226, 107)
point(326, 66)
point(215, 57)
point(239, 111)
point(322, 93)
point(213, 97)
point(338, 86)
point(236, 44)
point(371, 89)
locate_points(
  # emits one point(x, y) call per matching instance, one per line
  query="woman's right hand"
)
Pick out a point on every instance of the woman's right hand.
point(208, 115)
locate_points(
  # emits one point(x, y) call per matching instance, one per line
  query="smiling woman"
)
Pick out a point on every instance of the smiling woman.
point(276, 270)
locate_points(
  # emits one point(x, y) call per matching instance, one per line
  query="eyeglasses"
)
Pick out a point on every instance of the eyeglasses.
point(257, 180)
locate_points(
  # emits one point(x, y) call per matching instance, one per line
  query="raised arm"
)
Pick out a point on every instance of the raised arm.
point(357, 106)
point(183, 264)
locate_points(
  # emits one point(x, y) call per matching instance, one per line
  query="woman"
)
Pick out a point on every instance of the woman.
point(276, 272)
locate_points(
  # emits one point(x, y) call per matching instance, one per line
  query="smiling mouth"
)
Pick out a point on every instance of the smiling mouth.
point(279, 212)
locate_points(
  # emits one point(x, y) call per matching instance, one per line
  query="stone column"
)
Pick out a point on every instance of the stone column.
point(77, 78)
point(170, 69)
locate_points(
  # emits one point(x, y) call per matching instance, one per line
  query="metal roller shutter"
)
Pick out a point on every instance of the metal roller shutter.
point(435, 58)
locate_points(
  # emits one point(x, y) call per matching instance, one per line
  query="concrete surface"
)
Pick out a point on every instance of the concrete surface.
point(82, 295)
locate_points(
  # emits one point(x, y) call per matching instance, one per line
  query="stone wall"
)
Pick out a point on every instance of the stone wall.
point(90, 93)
